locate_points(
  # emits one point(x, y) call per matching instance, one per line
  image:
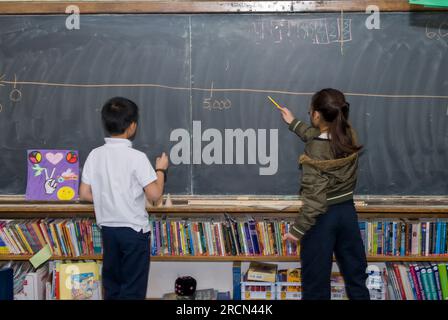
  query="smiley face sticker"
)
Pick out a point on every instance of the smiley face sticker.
point(66, 193)
point(35, 157)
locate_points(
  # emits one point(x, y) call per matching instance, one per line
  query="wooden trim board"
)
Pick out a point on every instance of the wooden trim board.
point(145, 6)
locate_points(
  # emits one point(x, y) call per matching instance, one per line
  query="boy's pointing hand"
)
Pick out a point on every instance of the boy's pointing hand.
point(162, 162)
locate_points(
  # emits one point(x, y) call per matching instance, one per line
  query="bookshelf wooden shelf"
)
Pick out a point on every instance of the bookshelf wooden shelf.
point(15, 207)
point(440, 258)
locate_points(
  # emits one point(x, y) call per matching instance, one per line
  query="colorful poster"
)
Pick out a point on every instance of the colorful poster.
point(52, 175)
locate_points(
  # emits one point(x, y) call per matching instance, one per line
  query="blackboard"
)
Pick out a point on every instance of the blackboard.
point(202, 76)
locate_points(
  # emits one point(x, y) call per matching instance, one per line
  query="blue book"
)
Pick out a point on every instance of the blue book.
point(394, 239)
point(386, 238)
point(248, 238)
point(153, 243)
point(442, 237)
point(168, 234)
point(420, 281)
point(389, 238)
point(254, 236)
point(2, 243)
point(423, 239)
point(190, 237)
point(380, 238)
point(435, 272)
point(438, 234)
point(403, 238)
point(6, 284)
point(236, 281)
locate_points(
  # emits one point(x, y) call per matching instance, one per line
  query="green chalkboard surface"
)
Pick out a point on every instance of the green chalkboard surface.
point(202, 83)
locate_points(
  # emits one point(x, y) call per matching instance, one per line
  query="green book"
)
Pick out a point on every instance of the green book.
point(375, 238)
point(432, 283)
point(443, 280)
point(425, 282)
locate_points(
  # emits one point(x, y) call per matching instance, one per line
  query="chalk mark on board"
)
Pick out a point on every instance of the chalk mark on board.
point(243, 90)
point(15, 95)
point(439, 34)
point(211, 90)
point(342, 32)
point(317, 31)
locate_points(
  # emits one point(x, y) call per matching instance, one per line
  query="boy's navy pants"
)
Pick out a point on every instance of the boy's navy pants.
point(126, 256)
point(336, 231)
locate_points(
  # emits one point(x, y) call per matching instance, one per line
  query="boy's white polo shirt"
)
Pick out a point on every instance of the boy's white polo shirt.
point(117, 174)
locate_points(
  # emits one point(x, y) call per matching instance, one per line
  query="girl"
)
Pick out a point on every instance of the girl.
point(327, 222)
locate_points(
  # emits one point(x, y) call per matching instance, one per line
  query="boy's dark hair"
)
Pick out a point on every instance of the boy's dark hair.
point(117, 115)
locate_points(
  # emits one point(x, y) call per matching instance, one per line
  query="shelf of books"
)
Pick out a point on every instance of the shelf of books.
point(380, 258)
point(221, 238)
point(408, 241)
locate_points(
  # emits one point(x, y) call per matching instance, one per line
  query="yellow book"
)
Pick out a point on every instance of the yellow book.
point(181, 231)
point(55, 239)
point(176, 240)
point(15, 245)
point(68, 236)
point(79, 281)
point(22, 236)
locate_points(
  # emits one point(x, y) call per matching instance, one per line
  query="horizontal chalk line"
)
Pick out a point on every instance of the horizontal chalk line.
point(151, 85)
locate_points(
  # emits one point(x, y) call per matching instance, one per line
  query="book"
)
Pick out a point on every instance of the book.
point(443, 280)
point(79, 281)
point(264, 272)
point(438, 287)
point(415, 282)
point(432, 283)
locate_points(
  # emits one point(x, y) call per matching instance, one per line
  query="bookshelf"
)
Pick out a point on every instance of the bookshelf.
point(372, 208)
point(238, 258)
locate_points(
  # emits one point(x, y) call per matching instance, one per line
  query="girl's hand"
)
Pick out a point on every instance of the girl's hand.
point(287, 115)
point(289, 237)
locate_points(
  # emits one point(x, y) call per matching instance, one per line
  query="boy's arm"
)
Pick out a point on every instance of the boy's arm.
point(85, 192)
point(154, 190)
point(152, 181)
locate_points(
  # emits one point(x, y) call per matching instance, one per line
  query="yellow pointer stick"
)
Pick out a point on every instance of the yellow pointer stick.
point(275, 103)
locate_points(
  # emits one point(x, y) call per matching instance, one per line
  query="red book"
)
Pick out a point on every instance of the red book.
point(400, 282)
point(56, 289)
point(218, 239)
point(416, 284)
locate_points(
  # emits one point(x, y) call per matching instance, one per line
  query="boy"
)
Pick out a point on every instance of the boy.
point(116, 178)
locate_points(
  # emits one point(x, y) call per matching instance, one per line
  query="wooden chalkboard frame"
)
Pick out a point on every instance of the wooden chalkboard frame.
point(188, 6)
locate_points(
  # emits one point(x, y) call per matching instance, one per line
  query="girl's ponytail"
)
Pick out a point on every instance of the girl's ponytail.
point(335, 110)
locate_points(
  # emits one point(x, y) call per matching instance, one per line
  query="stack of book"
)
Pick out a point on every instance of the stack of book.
point(405, 238)
point(220, 238)
point(417, 281)
point(65, 237)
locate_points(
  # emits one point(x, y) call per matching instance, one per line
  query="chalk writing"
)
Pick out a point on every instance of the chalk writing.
point(316, 31)
point(436, 30)
point(216, 104)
